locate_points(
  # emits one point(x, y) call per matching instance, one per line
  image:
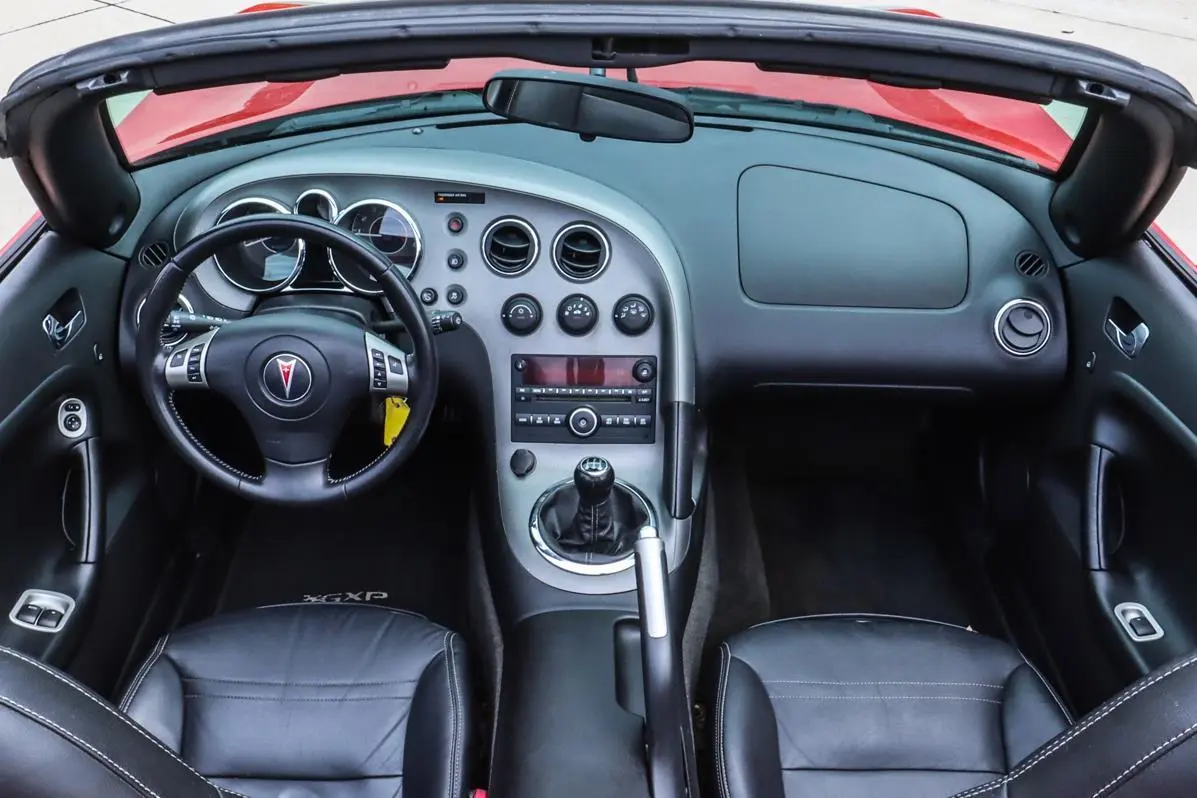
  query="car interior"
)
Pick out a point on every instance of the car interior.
point(475, 450)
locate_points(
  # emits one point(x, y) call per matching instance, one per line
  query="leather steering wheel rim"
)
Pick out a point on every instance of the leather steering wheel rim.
point(296, 482)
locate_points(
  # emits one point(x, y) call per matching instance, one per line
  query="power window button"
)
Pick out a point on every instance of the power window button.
point(49, 619)
point(1141, 627)
point(29, 614)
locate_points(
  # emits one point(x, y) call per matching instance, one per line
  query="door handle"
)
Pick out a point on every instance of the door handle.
point(1125, 328)
point(60, 333)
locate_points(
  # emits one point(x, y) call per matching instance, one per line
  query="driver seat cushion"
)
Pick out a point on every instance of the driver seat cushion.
point(856, 706)
point(311, 701)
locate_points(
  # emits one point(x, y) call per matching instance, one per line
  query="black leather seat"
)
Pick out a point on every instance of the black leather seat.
point(854, 706)
point(301, 701)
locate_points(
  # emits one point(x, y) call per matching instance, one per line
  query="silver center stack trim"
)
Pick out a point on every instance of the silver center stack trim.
point(585, 569)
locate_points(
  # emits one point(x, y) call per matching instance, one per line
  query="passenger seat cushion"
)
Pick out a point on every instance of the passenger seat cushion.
point(346, 700)
point(869, 705)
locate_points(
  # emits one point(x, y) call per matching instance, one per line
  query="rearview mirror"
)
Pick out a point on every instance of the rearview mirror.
point(590, 106)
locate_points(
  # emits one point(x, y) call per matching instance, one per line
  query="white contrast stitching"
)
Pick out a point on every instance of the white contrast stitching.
point(77, 741)
point(1050, 690)
point(1145, 757)
point(452, 681)
point(1071, 735)
point(143, 672)
point(720, 753)
point(108, 709)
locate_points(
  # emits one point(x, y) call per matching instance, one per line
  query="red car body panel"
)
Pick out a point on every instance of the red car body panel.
point(1025, 129)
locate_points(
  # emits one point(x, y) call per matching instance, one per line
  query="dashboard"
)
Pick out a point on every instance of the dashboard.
point(605, 284)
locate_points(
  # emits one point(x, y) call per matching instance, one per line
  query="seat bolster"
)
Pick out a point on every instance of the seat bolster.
point(63, 740)
point(438, 729)
point(1139, 744)
point(748, 760)
point(1030, 715)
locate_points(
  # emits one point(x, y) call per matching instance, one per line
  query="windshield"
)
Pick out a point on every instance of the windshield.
point(151, 127)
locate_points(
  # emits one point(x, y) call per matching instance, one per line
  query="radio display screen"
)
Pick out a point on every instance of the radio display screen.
point(579, 371)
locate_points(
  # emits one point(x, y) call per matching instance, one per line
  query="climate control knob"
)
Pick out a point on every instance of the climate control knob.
point(521, 314)
point(577, 314)
point(583, 422)
point(633, 315)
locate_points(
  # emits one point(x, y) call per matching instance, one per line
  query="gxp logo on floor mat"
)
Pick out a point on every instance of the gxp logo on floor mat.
point(338, 598)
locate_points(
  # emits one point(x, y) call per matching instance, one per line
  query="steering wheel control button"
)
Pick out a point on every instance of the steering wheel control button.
point(523, 462)
point(287, 378)
point(388, 367)
point(583, 422)
point(633, 315)
point(455, 223)
point(395, 365)
point(179, 358)
point(577, 314)
point(455, 295)
point(428, 296)
point(185, 368)
point(456, 259)
point(521, 314)
point(644, 371)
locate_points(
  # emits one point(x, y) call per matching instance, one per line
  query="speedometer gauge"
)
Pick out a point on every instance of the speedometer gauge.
point(258, 265)
point(389, 229)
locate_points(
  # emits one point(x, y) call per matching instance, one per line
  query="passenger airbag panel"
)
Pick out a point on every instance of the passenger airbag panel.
point(808, 238)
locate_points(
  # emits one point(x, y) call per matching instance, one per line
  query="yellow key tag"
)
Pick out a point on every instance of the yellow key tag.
point(397, 412)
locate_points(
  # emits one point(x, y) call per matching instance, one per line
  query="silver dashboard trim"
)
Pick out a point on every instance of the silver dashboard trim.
point(585, 569)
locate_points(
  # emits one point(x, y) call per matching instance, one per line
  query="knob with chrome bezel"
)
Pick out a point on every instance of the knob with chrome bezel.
point(577, 314)
point(583, 422)
point(521, 314)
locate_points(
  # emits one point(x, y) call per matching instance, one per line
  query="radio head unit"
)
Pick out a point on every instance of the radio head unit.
point(581, 398)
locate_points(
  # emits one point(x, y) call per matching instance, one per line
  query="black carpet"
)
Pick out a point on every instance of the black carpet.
point(403, 546)
point(858, 511)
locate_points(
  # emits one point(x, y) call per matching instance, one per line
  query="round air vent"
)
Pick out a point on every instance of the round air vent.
point(154, 256)
point(1031, 264)
point(581, 252)
point(1022, 327)
point(510, 246)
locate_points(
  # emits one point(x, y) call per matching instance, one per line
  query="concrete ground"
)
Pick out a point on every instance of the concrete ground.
point(1160, 33)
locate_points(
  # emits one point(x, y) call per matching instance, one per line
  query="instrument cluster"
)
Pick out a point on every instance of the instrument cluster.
point(275, 264)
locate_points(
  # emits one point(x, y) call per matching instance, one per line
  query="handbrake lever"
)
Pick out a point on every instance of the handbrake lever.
point(669, 733)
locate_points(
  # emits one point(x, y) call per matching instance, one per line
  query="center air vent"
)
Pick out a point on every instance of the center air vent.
point(154, 256)
point(510, 246)
point(1022, 327)
point(581, 252)
point(1031, 264)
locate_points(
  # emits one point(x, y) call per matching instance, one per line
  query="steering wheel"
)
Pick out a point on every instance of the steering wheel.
point(293, 374)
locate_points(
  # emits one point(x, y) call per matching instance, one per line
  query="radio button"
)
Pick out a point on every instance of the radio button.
point(523, 419)
point(610, 421)
point(557, 420)
point(643, 421)
point(539, 420)
point(625, 421)
point(523, 394)
point(644, 371)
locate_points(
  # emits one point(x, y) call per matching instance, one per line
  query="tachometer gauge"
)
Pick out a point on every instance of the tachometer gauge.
point(259, 265)
point(389, 229)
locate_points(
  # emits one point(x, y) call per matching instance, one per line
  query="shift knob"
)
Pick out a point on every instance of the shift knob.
point(594, 477)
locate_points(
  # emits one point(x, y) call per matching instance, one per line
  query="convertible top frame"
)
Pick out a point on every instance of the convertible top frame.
point(52, 122)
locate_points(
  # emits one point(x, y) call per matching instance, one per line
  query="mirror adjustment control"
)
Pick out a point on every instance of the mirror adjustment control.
point(72, 418)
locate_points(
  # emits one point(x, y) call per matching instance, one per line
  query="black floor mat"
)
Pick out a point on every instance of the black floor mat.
point(859, 509)
point(403, 546)
point(841, 546)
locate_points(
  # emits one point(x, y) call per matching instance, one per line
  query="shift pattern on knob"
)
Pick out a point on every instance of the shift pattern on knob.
point(594, 477)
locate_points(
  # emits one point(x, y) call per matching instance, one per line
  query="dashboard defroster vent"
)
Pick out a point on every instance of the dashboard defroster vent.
point(581, 252)
point(1031, 264)
point(154, 256)
point(510, 246)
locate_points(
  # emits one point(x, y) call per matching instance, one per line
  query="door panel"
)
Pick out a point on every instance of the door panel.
point(67, 431)
point(1124, 453)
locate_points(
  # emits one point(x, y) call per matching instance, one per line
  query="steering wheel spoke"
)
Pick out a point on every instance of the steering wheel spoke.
point(186, 366)
point(390, 371)
point(294, 481)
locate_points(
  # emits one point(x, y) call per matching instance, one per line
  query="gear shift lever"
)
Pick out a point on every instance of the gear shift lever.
point(593, 478)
